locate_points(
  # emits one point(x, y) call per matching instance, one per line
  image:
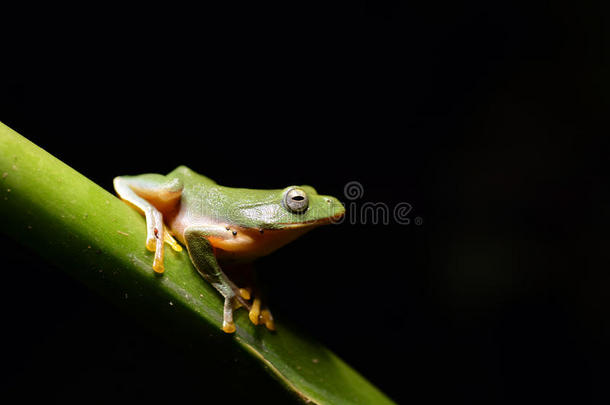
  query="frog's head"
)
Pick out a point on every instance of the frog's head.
point(303, 206)
point(264, 220)
point(292, 207)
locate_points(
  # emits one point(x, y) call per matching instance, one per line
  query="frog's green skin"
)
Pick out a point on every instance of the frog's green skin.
point(222, 225)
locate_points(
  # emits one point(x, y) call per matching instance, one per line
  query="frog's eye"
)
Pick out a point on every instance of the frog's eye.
point(296, 200)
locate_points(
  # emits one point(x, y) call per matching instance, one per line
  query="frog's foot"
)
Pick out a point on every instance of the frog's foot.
point(255, 313)
point(231, 303)
point(146, 193)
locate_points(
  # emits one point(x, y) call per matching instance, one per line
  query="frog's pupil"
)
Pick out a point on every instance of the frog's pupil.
point(298, 198)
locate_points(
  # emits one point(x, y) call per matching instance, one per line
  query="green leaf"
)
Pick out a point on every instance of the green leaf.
point(85, 230)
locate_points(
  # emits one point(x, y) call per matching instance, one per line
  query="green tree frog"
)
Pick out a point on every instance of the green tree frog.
point(224, 226)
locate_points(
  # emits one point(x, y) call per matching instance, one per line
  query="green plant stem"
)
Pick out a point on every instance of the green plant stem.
point(88, 232)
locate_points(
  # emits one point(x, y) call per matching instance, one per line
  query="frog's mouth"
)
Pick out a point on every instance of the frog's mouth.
point(315, 222)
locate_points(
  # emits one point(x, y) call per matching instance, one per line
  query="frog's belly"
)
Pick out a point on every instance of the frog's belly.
point(249, 244)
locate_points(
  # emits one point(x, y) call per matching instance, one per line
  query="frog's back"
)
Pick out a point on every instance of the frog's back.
point(202, 197)
point(189, 178)
point(204, 202)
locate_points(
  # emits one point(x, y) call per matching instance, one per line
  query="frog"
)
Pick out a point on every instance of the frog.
point(224, 228)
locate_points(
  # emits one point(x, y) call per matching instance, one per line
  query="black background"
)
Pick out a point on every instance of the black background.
point(484, 116)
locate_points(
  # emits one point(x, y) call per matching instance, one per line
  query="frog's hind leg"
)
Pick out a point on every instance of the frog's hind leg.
point(150, 194)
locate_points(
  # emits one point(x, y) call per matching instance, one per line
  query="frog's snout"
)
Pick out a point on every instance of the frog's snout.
point(336, 210)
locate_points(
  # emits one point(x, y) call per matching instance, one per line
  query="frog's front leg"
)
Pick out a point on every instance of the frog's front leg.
point(147, 192)
point(202, 255)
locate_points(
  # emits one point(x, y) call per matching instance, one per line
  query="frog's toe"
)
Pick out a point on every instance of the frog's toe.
point(158, 260)
point(151, 243)
point(246, 293)
point(228, 327)
point(267, 319)
point(152, 233)
point(227, 317)
point(169, 239)
point(158, 266)
point(255, 311)
point(241, 300)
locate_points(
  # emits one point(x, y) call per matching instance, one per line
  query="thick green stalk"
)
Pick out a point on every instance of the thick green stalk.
point(87, 231)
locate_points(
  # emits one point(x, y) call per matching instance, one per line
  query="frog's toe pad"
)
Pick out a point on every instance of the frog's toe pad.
point(267, 319)
point(255, 311)
point(228, 327)
point(158, 267)
point(169, 239)
point(245, 293)
point(151, 244)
